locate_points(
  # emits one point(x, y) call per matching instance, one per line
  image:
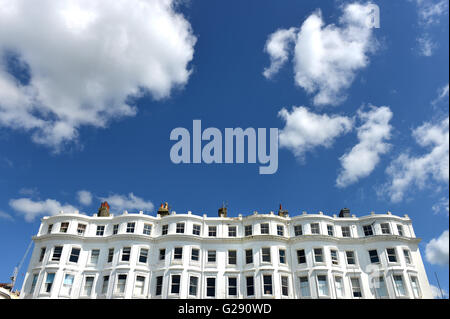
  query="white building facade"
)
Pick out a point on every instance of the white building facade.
point(256, 256)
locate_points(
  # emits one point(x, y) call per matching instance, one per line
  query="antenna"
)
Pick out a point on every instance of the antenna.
point(439, 285)
point(17, 268)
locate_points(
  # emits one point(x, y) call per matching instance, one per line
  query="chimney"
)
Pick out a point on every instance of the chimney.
point(163, 210)
point(345, 212)
point(282, 213)
point(103, 211)
point(222, 211)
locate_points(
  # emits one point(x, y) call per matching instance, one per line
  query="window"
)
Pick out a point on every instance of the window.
point(330, 230)
point(210, 287)
point(250, 285)
point(139, 286)
point(105, 284)
point(33, 283)
point(164, 229)
point(380, 287)
point(304, 287)
point(334, 257)
point(407, 255)
point(49, 229)
point(265, 252)
point(322, 285)
point(100, 230)
point(126, 252)
point(121, 282)
point(318, 255)
point(196, 231)
point(67, 284)
point(63, 228)
point(57, 251)
point(280, 230)
point(162, 254)
point(115, 229)
point(400, 230)
point(346, 231)
point(315, 229)
point(74, 255)
point(232, 257)
point(159, 284)
point(282, 255)
point(298, 230)
point(212, 231)
point(232, 286)
point(193, 286)
point(81, 229)
point(175, 286)
point(180, 228)
point(356, 287)
point(415, 286)
point(211, 256)
point(265, 228)
point(88, 283)
point(392, 256)
point(195, 254)
point(385, 230)
point(178, 253)
point(373, 254)
point(267, 282)
point(110, 255)
point(95, 253)
point(232, 232)
point(368, 231)
point(351, 260)
point(301, 257)
point(130, 227)
point(248, 229)
point(339, 287)
point(143, 254)
point(147, 229)
point(249, 256)
point(49, 282)
point(42, 255)
point(399, 285)
point(284, 286)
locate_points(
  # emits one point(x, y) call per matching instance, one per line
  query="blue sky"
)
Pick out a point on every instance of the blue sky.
point(55, 141)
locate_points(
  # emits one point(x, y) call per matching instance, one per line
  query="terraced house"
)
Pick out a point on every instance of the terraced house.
point(257, 256)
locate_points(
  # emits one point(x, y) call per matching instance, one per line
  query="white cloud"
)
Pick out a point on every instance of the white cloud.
point(31, 209)
point(85, 58)
point(442, 95)
point(5, 216)
point(436, 292)
point(305, 130)
point(430, 11)
point(365, 155)
point(441, 206)
point(406, 171)
point(120, 203)
point(426, 45)
point(436, 251)
point(277, 48)
point(326, 58)
point(84, 197)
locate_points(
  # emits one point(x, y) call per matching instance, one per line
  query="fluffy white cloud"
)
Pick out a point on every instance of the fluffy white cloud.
point(277, 48)
point(426, 45)
point(436, 292)
point(430, 11)
point(84, 197)
point(120, 203)
point(406, 171)
point(442, 95)
point(365, 155)
point(326, 58)
point(436, 251)
point(31, 209)
point(305, 130)
point(85, 59)
point(441, 206)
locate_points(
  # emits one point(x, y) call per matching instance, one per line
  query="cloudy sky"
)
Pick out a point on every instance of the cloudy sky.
point(90, 91)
